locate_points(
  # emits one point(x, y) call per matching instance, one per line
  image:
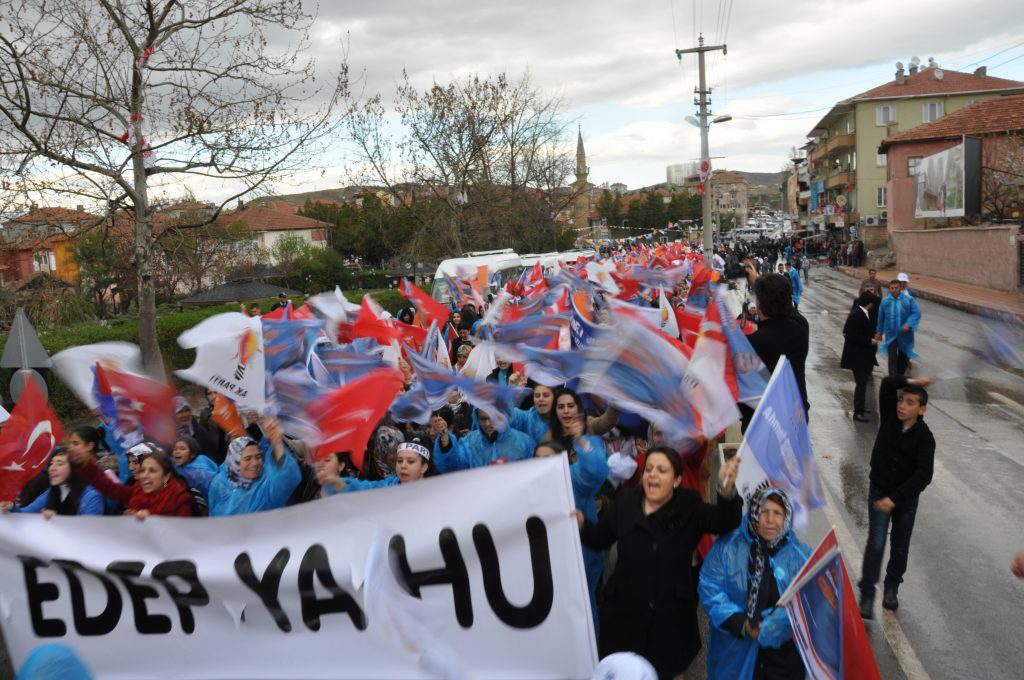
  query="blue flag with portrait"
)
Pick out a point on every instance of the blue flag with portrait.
point(780, 442)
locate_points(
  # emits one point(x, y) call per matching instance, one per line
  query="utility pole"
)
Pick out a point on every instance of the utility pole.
point(705, 154)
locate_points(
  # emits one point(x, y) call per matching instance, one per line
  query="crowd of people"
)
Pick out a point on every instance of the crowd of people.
point(634, 488)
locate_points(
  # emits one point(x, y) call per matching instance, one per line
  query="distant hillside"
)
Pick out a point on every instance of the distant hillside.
point(763, 179)
point(342, 194)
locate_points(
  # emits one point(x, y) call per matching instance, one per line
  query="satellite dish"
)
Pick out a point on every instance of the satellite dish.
point(899, 65)
point(914, 61)
point(938, 73)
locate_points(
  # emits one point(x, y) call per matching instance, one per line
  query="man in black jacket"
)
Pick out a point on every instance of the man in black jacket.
point(902, 461)
point(782, 329)
point(859, 349)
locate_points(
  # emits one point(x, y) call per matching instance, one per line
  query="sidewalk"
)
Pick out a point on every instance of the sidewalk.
point(963, 296)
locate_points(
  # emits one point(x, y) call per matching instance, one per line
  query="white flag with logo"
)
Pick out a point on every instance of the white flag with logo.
point(229, 358)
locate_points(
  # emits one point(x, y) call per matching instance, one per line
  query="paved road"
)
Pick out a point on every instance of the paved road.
point(959, 605)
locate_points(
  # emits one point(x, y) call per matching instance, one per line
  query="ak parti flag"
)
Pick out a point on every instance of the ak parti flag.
point(28, 437)
point(827, 626)
point(347, 416)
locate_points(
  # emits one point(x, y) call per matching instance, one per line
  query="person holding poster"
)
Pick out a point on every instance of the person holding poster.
point(740, 584)
point(649, 602)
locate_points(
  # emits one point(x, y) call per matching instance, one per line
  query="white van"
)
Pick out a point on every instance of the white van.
point(505, 263)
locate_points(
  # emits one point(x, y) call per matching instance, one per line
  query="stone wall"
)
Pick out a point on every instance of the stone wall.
point(984, 256)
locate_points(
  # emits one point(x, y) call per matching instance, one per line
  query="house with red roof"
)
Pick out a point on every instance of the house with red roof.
point(270, 225)
point(849, 175)
point(40, 241)
point(982, 249)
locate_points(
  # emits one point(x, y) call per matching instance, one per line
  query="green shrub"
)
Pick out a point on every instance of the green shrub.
point(169, 325)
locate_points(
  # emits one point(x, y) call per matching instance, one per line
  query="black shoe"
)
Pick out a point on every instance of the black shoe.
point(867, 410)
point(861, 418)
point(867, 604)
point(889, 599)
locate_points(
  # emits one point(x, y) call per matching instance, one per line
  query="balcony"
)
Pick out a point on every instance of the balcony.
point(839, 180)
point(834, 146)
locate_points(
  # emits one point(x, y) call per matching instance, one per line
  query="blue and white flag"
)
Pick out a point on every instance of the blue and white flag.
point(779, 442)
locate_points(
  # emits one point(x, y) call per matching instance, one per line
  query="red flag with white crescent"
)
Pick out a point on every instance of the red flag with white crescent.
point(27, 440)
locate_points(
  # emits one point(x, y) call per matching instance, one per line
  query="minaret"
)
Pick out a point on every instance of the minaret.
point(581, 205)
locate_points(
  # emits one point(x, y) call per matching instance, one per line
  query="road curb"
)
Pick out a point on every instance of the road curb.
point(891, 629)
point(948, 301)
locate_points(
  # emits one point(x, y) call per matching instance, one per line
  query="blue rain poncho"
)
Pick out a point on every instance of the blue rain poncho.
point(724, 588)
point(797, 284)
point(477, 449)
point(588, 474)
point(893, 314)
point(353, 484)
point(90, 503)
point(230, 495)
point(531, 423)
point(199, 473)
point(53, 661)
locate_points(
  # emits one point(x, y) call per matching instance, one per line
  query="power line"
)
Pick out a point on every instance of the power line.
point(1008, 61)
point(675, 34)
point(993, 55)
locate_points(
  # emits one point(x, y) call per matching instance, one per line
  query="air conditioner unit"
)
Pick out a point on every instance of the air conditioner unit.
point(884, 215)
point(871, 221)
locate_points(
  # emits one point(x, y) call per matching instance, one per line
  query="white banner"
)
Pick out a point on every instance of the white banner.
point(229, 357)
point(305, 592)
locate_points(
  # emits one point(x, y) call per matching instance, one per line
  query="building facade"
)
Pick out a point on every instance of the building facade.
point(849, 176)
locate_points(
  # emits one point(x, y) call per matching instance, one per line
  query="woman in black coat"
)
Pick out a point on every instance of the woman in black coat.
point(650, 604)
point(860, 349)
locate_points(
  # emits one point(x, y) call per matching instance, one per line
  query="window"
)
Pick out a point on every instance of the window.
point(932, 111)
point(882, 197)
point(880, 160)
point(885, 114)
point(912, 164)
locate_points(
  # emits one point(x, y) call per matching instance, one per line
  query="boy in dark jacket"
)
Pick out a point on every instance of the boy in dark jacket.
point(902, 461)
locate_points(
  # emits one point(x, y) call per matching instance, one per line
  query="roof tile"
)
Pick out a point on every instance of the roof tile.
point(1002, 114)
point(924, 82)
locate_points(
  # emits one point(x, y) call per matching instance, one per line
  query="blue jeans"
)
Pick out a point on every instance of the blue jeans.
point(902, 520)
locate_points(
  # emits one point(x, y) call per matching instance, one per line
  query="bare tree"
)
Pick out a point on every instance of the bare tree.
point(120, 102)
point(479, 162)
point(1002, 176)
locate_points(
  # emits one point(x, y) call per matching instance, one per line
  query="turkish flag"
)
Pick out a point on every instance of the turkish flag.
point(429, 308)
point(369, 323)
point(26, 441)
point(148, 400)
point(348, 415)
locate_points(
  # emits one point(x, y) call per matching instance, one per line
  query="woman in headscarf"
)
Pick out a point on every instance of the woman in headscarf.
point(255, 476)
point(740, 584)
point(187, 425)
point(383, 446)
point(197, 469)
point(158, 489)
point(68, 493)
point(412, 463)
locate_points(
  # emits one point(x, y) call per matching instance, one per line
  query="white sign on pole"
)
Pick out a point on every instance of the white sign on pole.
point(492, 555)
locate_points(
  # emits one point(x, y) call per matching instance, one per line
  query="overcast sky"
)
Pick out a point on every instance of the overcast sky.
point(614, 64)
